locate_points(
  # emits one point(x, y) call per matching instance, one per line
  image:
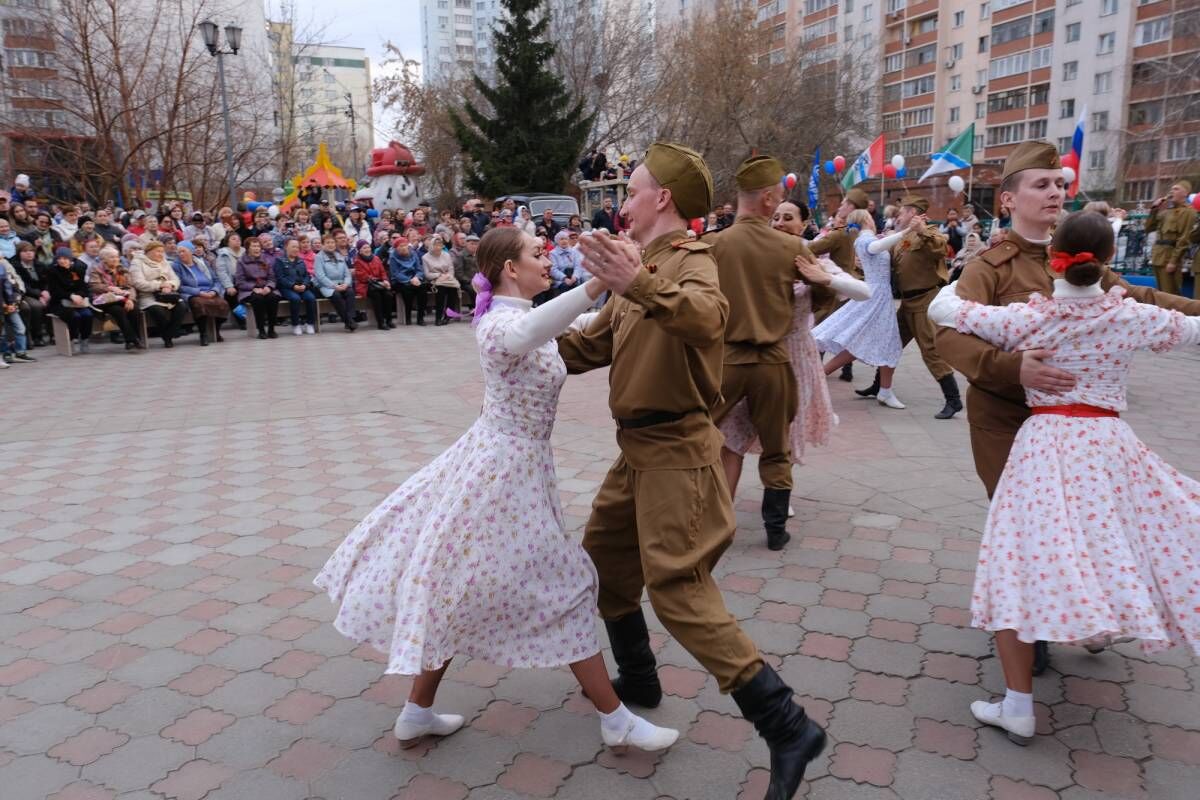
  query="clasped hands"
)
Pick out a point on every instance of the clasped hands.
point(613, 262)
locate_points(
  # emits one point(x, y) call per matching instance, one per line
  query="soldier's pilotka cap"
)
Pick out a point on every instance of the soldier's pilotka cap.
point(1031, 155)
point(916, 201)
point(683, 171)
point(857, 198)
point(1186, 184)
point(758, 172)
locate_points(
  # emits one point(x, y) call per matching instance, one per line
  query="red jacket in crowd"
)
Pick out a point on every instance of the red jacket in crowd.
point(366, 271)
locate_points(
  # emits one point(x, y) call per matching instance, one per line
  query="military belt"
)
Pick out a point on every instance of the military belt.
point(1167, 242)
point(916, 293)
point(653, 418)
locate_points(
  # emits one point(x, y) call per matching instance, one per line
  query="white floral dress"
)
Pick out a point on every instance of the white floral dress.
point(469, 556)
point(1089, 533)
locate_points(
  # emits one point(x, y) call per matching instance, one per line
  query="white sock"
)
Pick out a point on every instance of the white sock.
point(416, 714)
point(1018, 704)
point(618, 720)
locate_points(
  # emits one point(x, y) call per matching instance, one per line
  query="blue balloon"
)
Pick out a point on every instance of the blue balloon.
point(900, 173)
point(372, 213)
point(255, 205)
point(829, 167)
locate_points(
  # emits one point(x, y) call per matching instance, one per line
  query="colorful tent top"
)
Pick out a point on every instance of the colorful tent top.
point(322, 173)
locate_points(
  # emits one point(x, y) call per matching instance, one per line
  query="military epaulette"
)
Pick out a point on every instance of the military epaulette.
point(691, 245)
point(1001, 253)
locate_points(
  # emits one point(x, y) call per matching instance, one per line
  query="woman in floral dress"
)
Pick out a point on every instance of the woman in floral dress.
point(814, 411)
point(1090, 536)
point(469, 556)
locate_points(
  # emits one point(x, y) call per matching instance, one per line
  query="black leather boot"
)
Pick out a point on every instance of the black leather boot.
point(774, 513)
point(847, 373)
point(793, 739)
point(953, 399)
point(637, 673)
point(871, 390)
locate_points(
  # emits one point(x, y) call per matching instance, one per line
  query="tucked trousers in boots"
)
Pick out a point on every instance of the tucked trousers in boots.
point(663, 530)
point(771, 397)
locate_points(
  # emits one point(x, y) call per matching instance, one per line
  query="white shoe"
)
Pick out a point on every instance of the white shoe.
point(1020, 729)
point(410, 733)
point(887, 398)
point(298, 330)
point(1101, 643)
point(639, 733)
point(791, 512)
point(310, 330)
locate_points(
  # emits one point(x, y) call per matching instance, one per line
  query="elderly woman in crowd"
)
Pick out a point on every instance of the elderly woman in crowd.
point(439, 271)
point(308, 253)
point(69, 296)
point(566, 262)
point(13, 341)
point(157, 288)
point(113, 294)
point(524, 221)
point(203, 292)
point(296, 286)
point(150, 229)
point(335, 281)
point(407, 275)
point(371, 283)
point(255, 281)
point(36, 298)
point(225, 268)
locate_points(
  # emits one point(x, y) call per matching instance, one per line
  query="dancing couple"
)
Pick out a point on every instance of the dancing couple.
point(469, 557)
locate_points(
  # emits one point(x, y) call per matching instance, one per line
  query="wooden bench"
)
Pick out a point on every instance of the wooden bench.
point(65, 347)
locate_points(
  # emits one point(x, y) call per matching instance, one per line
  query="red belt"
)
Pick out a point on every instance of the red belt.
point(1076, 410)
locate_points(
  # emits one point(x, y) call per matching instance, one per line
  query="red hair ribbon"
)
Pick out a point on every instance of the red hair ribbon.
point(1060, 261)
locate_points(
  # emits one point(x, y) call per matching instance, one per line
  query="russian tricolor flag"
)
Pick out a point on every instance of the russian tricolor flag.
point(1077, 150)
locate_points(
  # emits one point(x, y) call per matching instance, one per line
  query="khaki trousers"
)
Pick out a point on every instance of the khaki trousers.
point(1169, 281)
point(663, 530)
point(915, 324)
point(770, 394)
point(994, 424)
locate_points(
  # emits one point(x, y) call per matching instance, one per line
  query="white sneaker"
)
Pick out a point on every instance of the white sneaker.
point(4, 365)
point(791, 512)
point(310, 330)
point(1020, 729)
point(639, 733)
point(410, 733)
point(298, 330)
point(887, 398)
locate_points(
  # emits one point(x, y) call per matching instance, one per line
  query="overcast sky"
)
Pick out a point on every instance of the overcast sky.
point(367, 24)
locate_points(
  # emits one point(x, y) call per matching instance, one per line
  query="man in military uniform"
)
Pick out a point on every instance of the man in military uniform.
point(757, 266)
point(1032, 189)
point(918, 272)
point(663, 515)
point(839, 246)
point(1173, 218)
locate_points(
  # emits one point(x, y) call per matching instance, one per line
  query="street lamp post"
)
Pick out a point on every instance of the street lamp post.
point(233, 37)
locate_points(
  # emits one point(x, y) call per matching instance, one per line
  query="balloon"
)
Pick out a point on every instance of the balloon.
point(830, 168)
point(902, 172)
point(889, 171)
point(249, 197)
point(783, 181)
point(273, 211)
point(839, 163)
point(278, 193)
point(1191, 198)
point(898, 162)
point(1196, 201)
point(1068, 175)
point(790, 180)
point(1070, 160)
point(372, 213)
point(957, 184)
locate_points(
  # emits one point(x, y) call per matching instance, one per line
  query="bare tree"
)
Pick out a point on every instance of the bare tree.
point(1168, 107)
point(293, 38)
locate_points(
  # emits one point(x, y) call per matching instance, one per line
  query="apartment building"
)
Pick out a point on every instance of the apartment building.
point(456, 38)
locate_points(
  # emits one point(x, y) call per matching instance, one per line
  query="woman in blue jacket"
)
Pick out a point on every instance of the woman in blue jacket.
point(407, 274)
point(202, 291)
point(335, 281)
point(295, 284)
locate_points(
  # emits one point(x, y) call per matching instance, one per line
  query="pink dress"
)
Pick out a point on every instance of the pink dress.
point(1089, 533)
point(469, 556)
point(814, 410)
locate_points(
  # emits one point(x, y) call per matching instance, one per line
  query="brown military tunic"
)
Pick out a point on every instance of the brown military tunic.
point(919, 269)
point(1009, 273)
point(838, 244)
point(757, 268)
point(663, 515)
point(1174, 226)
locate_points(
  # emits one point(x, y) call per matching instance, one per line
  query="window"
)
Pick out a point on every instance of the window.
point(1102, 83)
point(985, 10)
point(953, 114)
point(981, 77)
point(1108, 7)
point(1066, 109)
point(848, 33)
point(918, 86)
point(443, 3)
point(983, 43)
point(918, 116)
point(955, 83)
point(923, 55)
point(980, 110)
point(848, 6)
point(1037, 128)
point(1187, 24)
point(920, 146)
point(1043, 22)
point(868, 13)
point(813, 6)
point(1138, 190)
point(1151, 31)
point(1106, 44)
point(1184, 148)
point(925, 25)
point(443, 22)
point(956, 52)
point(1011, 31)
point(1005, 134)
point(891, 122)
point(1018, 63)
point(772, 9)
point(959, 17)
point(893, 63)
point(977, 145)
point(1000, 5)
point(1143, 152)
point(1064, 143)
point(1007, 101)
point(1040, 58)
point(1097, 159)
point(1039, 95)
point(1073, 31)
point(462, 19)
point(1099, 120)
point(1150, 71)
point(896, 5)
point(1148, 113)
point(1073, 3)
point(29, 58)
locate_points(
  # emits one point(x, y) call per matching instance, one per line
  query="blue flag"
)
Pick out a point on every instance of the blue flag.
point(814, 182)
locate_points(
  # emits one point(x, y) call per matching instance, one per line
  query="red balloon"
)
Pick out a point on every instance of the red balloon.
point(1071, 160)
point(1196, 201)
point(839, 163)
point(791, 181)
point(889, 171)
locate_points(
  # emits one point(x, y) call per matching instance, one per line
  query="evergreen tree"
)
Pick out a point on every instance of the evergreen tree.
point(535, 131)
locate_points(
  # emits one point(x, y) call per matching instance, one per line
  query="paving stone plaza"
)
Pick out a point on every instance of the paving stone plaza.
point(162, 517)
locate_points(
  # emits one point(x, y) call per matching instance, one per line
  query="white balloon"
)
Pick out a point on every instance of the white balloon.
point(1191, 198)
point(898, 161)
point(1068, 175)
point(957, 184)
point(273, 211)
